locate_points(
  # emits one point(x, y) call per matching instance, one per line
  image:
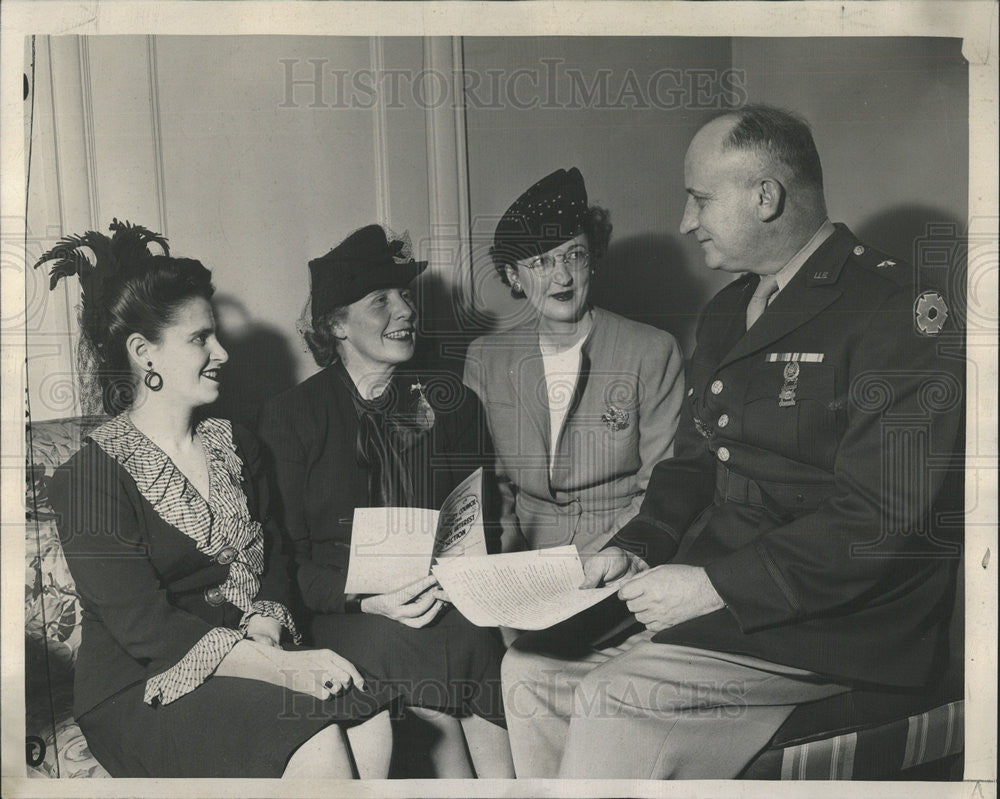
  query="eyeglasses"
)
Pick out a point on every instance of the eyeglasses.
point(575, 261)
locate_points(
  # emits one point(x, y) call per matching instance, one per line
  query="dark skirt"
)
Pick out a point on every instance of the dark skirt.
point(449, 665)
point(226, 727)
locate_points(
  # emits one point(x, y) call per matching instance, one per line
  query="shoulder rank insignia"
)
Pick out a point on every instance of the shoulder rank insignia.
point(930, 312)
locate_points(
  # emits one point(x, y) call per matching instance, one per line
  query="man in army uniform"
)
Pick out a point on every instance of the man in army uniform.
point(784, 554)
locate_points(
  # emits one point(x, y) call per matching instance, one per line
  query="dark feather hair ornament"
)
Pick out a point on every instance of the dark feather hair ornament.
point(109, 257)
point(128, 244)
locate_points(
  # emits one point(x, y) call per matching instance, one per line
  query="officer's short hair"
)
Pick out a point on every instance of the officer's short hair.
point(781, 135)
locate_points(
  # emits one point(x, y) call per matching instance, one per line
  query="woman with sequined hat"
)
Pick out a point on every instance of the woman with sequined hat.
point(187, 666)
point(368, 431)
point(582, 403)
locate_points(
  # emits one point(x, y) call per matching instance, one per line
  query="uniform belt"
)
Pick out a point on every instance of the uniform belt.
point(780, 499)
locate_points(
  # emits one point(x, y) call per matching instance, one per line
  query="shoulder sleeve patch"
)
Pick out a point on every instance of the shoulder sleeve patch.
point(930, 312)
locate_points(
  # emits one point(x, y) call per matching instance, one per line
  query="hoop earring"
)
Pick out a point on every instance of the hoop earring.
point(152, 379)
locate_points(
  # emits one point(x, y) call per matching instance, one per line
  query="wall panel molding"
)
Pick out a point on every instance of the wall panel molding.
point(448, 179)
point(380, 132)
point(154, 112)
point(88, 130)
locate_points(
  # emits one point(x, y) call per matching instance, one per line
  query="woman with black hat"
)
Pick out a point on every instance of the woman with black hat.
point(581, 402)
point(366, 431)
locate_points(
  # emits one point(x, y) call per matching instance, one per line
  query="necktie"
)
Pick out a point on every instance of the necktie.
point(758, 302)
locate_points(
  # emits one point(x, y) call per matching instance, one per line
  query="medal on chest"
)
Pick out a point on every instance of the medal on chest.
point(786, 397)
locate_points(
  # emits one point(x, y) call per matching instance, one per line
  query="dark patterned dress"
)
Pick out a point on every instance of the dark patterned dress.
point(168, 581)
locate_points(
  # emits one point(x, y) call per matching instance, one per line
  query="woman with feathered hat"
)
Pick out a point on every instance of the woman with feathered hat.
point(183, 669)
point(582, 403)
point(369, 431)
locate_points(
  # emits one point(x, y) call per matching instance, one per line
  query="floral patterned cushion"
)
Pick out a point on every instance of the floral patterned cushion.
point(55, 745)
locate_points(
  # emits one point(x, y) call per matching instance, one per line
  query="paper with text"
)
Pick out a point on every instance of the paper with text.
point(525, 590)
point(460, 525)
point(393, 547)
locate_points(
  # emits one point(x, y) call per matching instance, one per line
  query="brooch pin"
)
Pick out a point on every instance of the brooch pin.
point(424, 416)
point(615, 418)
point(786, 397)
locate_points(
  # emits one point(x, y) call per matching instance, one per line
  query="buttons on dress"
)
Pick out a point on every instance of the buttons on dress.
point(214, 596)
point(225, 556)
point(723, 454)
point(717, 387)
point(724, 420)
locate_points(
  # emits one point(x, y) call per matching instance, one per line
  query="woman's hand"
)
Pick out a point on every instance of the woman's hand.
point(319, 672)
point(414, 605)
point(264, 630)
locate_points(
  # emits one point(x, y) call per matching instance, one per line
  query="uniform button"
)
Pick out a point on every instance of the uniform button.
point(859, 250)
point(716, 386)
point(214, 596)
point(723, 454)
point(724, 420)
point(225, 556)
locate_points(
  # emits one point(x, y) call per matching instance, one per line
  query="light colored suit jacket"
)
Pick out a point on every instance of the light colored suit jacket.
point(620, 424)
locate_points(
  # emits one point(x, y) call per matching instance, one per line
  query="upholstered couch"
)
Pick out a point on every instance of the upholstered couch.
point(861, 735)
point(55, 747)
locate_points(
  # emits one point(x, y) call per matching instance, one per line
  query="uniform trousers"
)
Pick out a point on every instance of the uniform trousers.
point(643, 710)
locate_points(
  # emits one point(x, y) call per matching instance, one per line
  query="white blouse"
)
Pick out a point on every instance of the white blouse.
point(562, 370)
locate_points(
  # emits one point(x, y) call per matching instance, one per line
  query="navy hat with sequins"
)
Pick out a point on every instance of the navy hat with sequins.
point(548, 214)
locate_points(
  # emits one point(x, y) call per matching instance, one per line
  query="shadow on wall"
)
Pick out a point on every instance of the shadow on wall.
point(933, 241)
point(261, 363)
point(650, 278)
point(444, 330)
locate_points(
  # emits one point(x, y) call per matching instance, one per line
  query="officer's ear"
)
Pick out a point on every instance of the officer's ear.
point(769, 199)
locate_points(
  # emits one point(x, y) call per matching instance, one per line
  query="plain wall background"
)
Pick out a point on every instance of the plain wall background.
point(200, 139)
point(187, 135)
point(890, 119)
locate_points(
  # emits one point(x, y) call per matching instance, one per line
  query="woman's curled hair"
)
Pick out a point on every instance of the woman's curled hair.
point(319, 336)
point(144, 298)
point(125, 289)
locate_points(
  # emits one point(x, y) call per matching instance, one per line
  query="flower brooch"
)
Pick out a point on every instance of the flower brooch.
point(615, 418)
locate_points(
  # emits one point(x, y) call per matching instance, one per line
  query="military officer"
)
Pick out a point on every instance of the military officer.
point(784, 554)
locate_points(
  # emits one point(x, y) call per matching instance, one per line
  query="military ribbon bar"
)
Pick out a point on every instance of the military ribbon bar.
point(802, 357)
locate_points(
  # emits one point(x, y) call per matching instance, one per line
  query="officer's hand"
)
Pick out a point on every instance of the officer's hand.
point(669, 595)
point(608, 565)
point(414, 605)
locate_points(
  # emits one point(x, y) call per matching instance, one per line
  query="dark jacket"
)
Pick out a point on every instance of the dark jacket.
point(142, 581)
point(311, 431)
point(814, 518)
